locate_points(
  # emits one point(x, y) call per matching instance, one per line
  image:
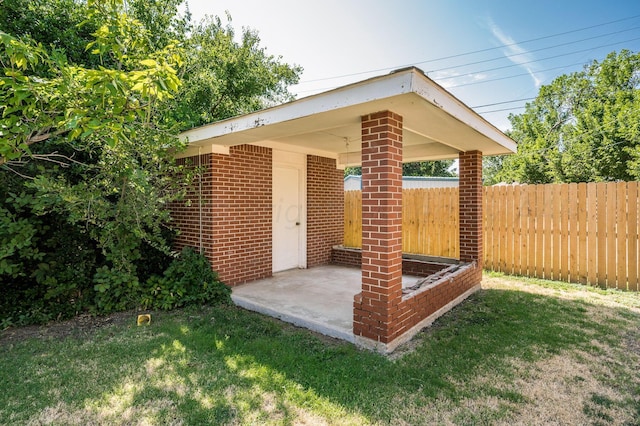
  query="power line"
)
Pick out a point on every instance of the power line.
point(507, 66)
point(502, 103)
point(471, 52)
point(548, 69)
point(502, 110)
point(535, 50)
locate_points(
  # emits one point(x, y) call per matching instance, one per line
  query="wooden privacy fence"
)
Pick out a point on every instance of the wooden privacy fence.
point(582, 233)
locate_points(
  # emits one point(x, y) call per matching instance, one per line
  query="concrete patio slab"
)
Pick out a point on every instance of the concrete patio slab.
point(319, 298)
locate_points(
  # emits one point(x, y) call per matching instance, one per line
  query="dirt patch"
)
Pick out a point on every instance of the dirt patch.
point(80, 326)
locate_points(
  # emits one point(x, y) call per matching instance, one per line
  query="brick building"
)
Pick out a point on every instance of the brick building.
point(270, 196)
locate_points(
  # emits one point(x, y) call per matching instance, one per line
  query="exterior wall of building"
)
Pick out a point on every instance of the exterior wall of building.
point(236, 193)
point(227, 212)
point(193, 216)
point(325, 209)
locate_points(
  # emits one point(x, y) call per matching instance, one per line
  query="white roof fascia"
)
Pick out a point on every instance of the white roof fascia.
point(436, 95)
point(401, 82)
point(355, 94)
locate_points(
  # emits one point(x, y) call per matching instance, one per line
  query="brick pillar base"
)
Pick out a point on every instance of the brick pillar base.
point(381, 227)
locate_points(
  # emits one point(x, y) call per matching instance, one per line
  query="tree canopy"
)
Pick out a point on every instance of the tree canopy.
point(418, 168)
point(582, 127)
point(92, 97)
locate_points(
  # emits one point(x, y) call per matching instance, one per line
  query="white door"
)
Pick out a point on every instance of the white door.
point(287, 218)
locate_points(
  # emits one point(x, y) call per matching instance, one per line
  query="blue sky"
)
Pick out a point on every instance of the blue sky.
point(342, 41)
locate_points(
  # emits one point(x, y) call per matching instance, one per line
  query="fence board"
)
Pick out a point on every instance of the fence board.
point(632, 236)
point(539, 231)
point(580, 235)
point(601, 232)
point(487, 201)
point(573, 231)
point(585, 233)
point(592, 239)
point(510, 228)
point(565, 218)
point(621, 235)
point(502, 221)
point(556, 205)
point(517, 235)
point(611, 205)
point(533, 240)
point(523, 225)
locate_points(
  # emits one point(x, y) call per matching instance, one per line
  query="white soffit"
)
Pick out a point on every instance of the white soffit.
point(436, 124)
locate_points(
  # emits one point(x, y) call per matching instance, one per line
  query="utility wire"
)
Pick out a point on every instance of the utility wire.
point(526, 62)
point(472, 52)
point(535, 50)
point(502, 103)
point(507, 66)
point(502, 110)
point(548, 69)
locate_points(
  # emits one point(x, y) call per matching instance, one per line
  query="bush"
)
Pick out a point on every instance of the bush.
point(188, 280)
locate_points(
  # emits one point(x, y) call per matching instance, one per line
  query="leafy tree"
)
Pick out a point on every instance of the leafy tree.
point(62, 24)
point(107, 164)
point(223, 77)
point(428, 168)
point(87, 138)
point(582, 127)
point(421, 168)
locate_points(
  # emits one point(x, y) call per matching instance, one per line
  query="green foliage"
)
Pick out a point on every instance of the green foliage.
point(116, 290)
point(188, 280)
point(420, 168)
point(583, 127)
point(224, 77)
point(18, 235)
point(59, 24)
point(92, 97)
point(428, 168)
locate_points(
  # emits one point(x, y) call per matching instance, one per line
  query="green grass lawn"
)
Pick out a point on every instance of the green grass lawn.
point(520, 351)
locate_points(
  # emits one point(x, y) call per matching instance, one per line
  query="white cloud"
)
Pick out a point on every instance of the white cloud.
point(516, 53)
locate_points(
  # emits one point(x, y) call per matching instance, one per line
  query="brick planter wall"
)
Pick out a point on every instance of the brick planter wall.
point(325, 209)
point(382, 318)
point(420, 268)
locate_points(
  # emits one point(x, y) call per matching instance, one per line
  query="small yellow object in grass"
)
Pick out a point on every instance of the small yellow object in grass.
point(144, 319)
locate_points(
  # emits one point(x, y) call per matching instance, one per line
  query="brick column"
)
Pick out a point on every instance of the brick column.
point(471, 207)
point(381, 227)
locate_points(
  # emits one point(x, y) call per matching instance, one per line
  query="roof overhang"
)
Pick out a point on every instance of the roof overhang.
point(436, 125)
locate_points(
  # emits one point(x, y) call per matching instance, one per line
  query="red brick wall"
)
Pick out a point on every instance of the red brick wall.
point(237, 220)
point(381, 226)
point(325, 209)
point(421, 304)
point(187, 214)
point(471, 206)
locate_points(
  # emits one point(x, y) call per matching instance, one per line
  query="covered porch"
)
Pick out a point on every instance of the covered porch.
point(379, 124)
point(319, 299)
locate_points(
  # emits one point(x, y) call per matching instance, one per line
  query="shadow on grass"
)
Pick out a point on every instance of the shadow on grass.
point(226, 365)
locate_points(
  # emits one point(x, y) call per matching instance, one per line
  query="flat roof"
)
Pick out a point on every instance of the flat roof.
point(436, 124)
